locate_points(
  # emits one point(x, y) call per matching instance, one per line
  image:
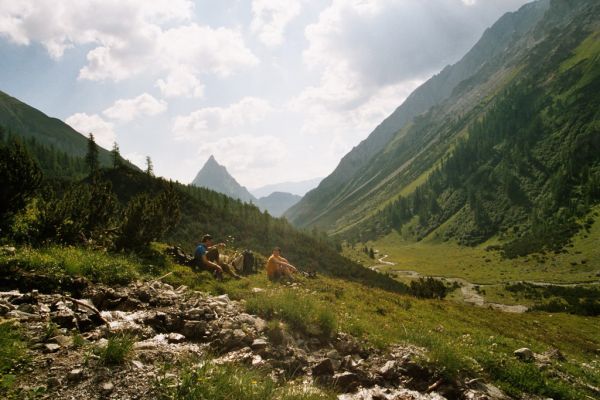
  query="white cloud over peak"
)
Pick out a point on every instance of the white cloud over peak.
point(129, 109)
point(205, 122)
point(271, 17)
point(248, 158)
point(103, 131)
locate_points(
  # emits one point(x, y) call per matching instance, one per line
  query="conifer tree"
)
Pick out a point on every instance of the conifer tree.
point(116, 156)
point(20, 177)
point(149, 167)
point(91, 158)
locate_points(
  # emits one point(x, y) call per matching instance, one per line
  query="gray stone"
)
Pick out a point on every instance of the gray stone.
point(175, 338)
point(51, 347)
point(524, 354)
point(258, 344)
point(107, 388)
point(389, 370)
point(325, 367)
point(194, 329)
point(63, 340)
point(75, 375)
point(346, 381)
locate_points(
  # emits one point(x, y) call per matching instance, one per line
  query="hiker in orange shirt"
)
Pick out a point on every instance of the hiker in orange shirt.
point(278, 267)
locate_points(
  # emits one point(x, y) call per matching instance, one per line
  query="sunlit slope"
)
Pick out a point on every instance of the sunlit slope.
point(513, 153)
point(340, 197)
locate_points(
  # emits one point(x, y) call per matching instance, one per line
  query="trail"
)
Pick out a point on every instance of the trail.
point(471, 294)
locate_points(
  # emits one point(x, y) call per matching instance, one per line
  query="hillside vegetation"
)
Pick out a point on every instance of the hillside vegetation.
point(512, 154)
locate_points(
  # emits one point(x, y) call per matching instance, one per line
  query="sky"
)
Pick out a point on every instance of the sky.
point(276, 90)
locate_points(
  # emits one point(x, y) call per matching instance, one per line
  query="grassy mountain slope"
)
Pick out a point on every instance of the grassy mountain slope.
point(243, 225)
point(347, 187)
point(23, 120)
point(513, 145)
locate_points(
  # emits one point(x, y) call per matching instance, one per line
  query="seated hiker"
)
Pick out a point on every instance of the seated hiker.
point(207, 256)
point(278, 267)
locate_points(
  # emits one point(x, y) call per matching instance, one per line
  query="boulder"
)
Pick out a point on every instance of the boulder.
point(524, 354)
point(325, 367)
point(194, 329)
point(346, 381)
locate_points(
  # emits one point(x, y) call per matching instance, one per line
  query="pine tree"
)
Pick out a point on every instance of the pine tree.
point(91, 158)
point(20, 177)
point(149, 167)
point(116, 156)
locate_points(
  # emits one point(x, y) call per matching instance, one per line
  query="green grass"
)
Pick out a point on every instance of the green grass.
point(460, 340)
point(74, 261)
point(117, 350)
point(302, 313)
point(13, 354)
point(477, 265)
point(208, 380)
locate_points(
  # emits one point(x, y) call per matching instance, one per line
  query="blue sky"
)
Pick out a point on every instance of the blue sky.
point(275, 90)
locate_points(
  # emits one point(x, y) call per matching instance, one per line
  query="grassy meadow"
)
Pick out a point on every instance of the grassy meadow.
point(461, 341)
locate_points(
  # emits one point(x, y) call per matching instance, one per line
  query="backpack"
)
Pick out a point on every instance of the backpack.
point(248, 262)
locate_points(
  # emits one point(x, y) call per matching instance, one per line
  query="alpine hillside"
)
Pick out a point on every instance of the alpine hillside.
point(24, 121)
point(502, 144)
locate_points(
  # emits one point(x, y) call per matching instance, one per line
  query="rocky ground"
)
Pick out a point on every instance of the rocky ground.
point(174, 324)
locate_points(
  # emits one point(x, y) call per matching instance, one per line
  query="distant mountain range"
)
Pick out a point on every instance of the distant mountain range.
point(503, 144)
point(298, 188)
point(215, 176)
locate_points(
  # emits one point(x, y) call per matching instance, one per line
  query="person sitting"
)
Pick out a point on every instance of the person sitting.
point(207, 256)
point(278, 267)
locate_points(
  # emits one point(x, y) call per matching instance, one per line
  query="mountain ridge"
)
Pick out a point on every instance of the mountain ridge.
point(215, 176)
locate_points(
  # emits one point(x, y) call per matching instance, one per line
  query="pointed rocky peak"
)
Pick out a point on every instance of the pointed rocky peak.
point(215, 176)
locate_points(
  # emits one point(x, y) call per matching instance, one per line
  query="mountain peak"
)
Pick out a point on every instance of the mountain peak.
point(215, 176)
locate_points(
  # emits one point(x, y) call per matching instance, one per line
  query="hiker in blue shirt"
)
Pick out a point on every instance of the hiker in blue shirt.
point(206, 256)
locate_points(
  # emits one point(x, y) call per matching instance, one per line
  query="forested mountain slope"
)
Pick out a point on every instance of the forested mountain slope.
point(337, 195)
point(513, 152)
point(27, 122)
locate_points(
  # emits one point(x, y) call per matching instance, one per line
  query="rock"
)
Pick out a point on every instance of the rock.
point(257, 361)
point(64, 317)
point(259, 344)
point(325, 367)
point(257, 290)
point(194, 329)
point(260, 324)
point(75, 375)
point(27, 308)
point(524, 354)
point(389, 370)
point(175, 338)
point(222, 299)
point(53, 382)
point(51, 348)
point(106, 388)
point(8, 251)
point(346, 381)
point(554, 354)
point(63, 340)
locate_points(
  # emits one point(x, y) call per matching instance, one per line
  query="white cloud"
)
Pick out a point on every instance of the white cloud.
point(130, 109)
point(270, 18)
point(129, 37)
point(83, 123)
point(206, 122)
point(181, 82)
point(248, 158)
